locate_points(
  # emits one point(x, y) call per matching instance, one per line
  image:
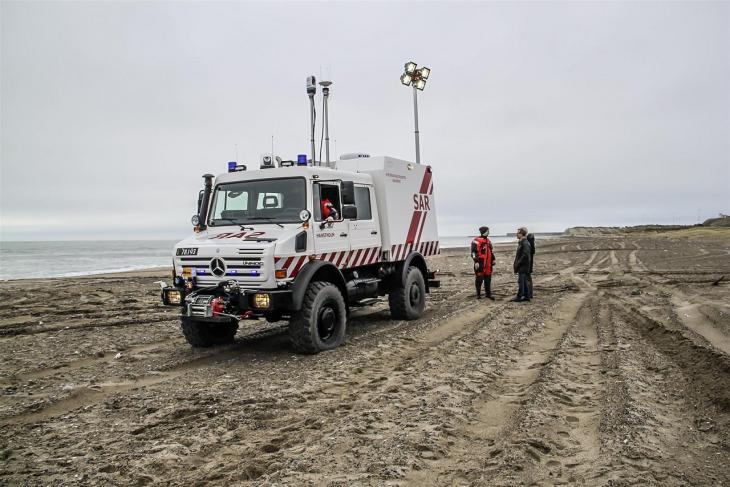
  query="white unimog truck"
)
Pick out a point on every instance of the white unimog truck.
point(263, 248)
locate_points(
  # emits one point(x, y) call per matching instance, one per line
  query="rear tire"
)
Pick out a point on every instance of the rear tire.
point(321, 323)
point(201, 334)
point(408, 301)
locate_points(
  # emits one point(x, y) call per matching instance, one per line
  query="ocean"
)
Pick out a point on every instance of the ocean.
point(24, 260)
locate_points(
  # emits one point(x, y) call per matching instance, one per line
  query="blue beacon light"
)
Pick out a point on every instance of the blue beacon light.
point(301, 159)
point(231, 166)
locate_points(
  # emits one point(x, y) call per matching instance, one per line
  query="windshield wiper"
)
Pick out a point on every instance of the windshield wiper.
point(269, 219)
point(243, 227)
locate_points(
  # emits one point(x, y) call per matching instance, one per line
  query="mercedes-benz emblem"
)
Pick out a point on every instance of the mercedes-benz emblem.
point(218, 267)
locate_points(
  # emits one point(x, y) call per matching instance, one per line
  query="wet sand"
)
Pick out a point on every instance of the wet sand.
point(618, 373)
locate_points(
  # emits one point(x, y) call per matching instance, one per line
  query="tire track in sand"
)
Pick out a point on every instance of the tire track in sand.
point(90, 394)
point(478, 443)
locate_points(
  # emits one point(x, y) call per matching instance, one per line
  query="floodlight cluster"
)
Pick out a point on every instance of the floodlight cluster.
point(415, 75)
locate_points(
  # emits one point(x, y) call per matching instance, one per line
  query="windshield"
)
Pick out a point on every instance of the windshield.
point(266, 200)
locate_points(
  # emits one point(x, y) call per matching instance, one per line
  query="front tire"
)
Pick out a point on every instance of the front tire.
point(321, 323)
point(408, 301)
point(201, 334)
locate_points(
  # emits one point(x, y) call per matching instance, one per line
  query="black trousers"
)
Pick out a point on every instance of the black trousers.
point(487, 280)
point(523, 289)
point(528, 278)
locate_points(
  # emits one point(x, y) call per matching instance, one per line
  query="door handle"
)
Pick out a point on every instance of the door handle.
point(374, 232)
point(343, 234)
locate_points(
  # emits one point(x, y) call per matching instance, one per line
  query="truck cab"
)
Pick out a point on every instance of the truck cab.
point(305, 243)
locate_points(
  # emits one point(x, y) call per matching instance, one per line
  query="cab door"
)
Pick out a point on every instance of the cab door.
point(365, 231)
point(331, 237)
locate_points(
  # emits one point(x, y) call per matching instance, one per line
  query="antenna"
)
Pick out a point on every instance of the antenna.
point(326, 92)
point(311, 91)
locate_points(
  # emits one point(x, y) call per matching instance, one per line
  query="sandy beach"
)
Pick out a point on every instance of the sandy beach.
point(618, 373)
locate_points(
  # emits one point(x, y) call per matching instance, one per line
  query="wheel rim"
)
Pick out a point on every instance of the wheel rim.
point(415, 295)
point(326, 322)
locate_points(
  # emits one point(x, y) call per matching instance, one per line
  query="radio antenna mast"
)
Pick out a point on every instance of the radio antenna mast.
point(311, 91)
point(326, 115)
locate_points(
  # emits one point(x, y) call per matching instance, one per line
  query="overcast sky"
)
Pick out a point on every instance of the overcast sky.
point(545, 114)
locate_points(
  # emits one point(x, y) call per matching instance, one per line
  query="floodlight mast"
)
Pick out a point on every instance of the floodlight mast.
point(417, 77)
point(415, 119)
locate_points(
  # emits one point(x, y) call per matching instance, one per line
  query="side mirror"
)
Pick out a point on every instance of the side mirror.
point(349, 212)
point(348, 193)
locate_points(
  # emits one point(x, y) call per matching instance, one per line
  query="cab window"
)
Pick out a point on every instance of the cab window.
point(326, 192)
point(362, 202)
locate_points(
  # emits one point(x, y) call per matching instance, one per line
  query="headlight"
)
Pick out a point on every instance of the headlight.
point(261, 300)
point(173, 296)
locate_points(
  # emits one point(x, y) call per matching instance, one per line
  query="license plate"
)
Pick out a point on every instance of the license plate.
point(187, 251)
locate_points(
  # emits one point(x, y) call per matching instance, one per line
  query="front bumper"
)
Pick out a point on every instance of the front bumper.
point(238, 303)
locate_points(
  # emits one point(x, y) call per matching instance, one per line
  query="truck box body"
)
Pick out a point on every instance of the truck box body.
point(407, 210)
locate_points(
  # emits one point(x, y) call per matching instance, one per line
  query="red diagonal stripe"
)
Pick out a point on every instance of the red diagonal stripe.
point(364, 257)
point(415, 219)
point(426, 182)
point(421, 225)
point(301, 261)
point(355, 257)
point(287, 263)
point(339, 261)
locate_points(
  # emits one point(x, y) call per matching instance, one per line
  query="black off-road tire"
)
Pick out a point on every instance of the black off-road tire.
point(408, 301)
point(321, 323)
point(201, 334)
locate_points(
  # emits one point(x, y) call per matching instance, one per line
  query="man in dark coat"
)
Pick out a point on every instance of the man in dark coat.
point(482, 254)
point(531, 240)
point(522, 265)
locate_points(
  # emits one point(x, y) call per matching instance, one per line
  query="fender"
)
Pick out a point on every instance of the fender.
point(417, 260)
point(316, 270)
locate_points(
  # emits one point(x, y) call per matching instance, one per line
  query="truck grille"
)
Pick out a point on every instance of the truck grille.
point(247, 269)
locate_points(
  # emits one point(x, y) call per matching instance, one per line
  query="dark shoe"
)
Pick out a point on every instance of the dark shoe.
point(479, 296)
point(490, 297)
point(516, 300)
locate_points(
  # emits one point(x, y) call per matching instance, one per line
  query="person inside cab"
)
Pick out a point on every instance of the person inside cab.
point(329, 203)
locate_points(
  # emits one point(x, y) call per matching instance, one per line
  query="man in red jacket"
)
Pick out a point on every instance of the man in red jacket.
point(483, 255)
